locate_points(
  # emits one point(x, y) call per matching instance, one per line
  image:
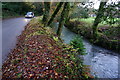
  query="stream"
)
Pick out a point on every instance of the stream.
point(103, 63)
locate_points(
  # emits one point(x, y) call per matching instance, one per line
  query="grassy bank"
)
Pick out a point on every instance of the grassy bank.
point(108, 36)
point(40, 53)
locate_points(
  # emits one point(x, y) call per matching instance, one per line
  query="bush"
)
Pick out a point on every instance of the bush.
point(78, 44)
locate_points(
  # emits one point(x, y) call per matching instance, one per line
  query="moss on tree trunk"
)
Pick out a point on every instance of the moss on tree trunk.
point(64, 15)
point(46, 13)
point(55, 13)
point(98, 19)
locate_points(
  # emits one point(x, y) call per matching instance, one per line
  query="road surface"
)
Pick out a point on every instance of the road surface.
point(11, 28)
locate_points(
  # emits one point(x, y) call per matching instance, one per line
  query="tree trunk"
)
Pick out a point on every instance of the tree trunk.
point(64, 15)
point(98, 19)
point(70, 12)
point(46, 13)
point(55, 13)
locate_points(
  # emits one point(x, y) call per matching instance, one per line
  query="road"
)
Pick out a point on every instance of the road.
point(11, 28)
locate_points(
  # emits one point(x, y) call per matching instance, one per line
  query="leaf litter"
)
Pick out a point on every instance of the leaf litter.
point(39, 54)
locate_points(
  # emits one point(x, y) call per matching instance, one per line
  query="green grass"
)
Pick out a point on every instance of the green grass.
point(90, 21)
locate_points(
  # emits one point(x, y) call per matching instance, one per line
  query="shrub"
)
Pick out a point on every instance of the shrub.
point(78, 44)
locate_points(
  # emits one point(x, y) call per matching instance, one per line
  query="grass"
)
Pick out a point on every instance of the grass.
point(90, 21)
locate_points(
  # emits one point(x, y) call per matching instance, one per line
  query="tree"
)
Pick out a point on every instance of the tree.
point(81, 10)
point(19, 7)
point(55, 13)
point(64, 15)
point(46, 14)
point(38, 8)
point(98, 18)
point(71, 10)
point(111, 14)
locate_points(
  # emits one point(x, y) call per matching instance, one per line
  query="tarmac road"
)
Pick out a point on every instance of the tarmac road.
point(11, 28)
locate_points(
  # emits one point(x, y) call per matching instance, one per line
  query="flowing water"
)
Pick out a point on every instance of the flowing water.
point(103, 63)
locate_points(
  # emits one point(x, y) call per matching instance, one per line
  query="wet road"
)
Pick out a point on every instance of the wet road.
point(11, 28)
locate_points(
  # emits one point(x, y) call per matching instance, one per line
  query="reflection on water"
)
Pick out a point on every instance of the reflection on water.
point(104, 63)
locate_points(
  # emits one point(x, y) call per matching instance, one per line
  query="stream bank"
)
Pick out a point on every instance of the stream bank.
point(106, 41)
point(103, 63)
